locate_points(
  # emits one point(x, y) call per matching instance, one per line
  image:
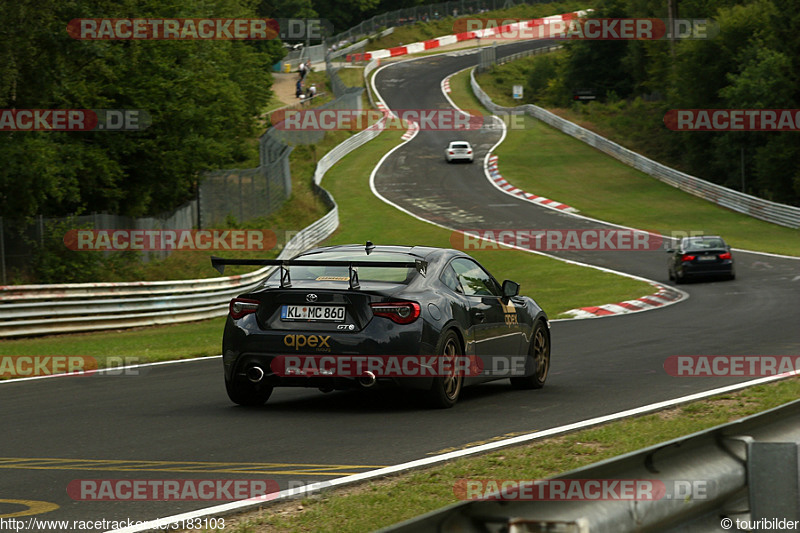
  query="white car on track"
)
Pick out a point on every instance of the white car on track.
point(458, 151)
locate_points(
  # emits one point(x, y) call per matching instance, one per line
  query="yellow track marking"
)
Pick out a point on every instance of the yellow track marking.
point(33, 507)
point(182, 466)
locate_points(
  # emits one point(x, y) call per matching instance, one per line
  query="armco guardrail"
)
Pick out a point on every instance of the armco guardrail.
point(342, 52)
point(72, 307)
point(368, 69)
point(785, 215)
point(745, 470)
point(488, 56)
point(63, 308)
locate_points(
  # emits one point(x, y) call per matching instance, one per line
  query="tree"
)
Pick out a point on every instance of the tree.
point(599, 64)
point(203, 97)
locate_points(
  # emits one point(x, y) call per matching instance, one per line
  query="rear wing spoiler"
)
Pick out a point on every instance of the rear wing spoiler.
point(352, 266)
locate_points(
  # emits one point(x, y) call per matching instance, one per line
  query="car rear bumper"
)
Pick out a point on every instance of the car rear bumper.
point(715, 269)
point(237, 366)
point(246, 345)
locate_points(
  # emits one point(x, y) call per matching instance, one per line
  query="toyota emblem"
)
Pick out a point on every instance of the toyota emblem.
point(311, 297)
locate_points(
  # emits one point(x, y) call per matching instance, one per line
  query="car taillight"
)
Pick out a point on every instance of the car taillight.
point(687, 257)
point(450, 152)
point(400, 312)
point(469, 151)
point(242, 306)
point(726, 255)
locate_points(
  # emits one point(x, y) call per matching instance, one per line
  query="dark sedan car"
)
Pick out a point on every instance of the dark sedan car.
point(436, 314)
point(700, 256)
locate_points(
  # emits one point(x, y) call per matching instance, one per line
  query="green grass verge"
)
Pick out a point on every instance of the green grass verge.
point(542, 160)
point(143, 345)
point(352, 76)
point(380, 503)
point(461, 93)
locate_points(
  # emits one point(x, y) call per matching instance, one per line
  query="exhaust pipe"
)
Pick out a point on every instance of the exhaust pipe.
point(367, 379)
point(255, 374)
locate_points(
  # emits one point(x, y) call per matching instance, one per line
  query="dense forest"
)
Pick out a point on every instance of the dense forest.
point(202, 96)
point(752, 63)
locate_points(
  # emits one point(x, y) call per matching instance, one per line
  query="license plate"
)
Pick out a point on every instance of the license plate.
point(707, 258)
point(315, 313)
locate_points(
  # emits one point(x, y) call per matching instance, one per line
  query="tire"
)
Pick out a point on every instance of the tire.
point(679, 278)
point(244, 392)
point(539, 353)
point(670, 274)
point(445, 390)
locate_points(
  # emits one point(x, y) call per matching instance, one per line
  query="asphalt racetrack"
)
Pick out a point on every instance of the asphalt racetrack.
point(175, 421)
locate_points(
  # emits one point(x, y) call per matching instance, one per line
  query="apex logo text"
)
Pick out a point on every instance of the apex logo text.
point(320, 342)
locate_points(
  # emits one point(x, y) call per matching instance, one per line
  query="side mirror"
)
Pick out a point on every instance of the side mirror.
point(671, 250)
point(510, 288)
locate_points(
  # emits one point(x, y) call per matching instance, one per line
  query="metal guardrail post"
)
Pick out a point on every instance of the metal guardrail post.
point(773, 478)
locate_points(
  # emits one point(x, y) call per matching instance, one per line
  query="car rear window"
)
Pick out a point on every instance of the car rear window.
point(337, 273)
point(704, 243)
point(459, 145)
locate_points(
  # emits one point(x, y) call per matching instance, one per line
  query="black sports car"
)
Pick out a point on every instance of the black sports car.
point(705, 255)
point(340, 303)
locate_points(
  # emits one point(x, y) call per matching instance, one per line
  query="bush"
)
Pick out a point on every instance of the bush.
point(54, 262)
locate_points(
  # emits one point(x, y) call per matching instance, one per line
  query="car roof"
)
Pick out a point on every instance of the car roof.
point(703, 241)
point(703, 238)
point(459, 142)
point(420, 252)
